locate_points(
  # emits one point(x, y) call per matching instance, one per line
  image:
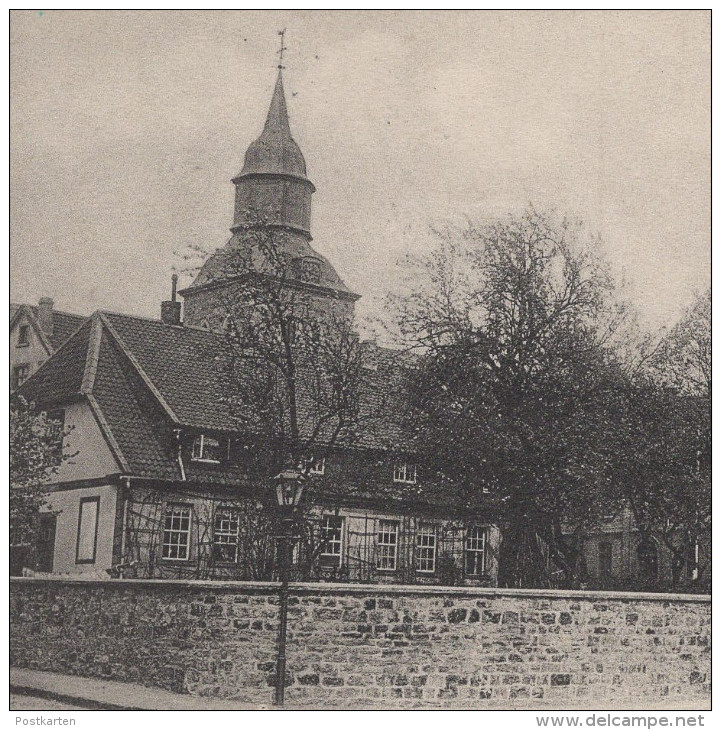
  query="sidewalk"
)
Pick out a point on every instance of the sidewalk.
point(100, 694)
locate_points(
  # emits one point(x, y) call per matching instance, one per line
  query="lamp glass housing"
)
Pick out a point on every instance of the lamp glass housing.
point(289, 488)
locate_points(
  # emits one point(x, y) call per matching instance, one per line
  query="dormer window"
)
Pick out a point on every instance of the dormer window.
point(207, 449)
point(405, 473)
point(316, 466)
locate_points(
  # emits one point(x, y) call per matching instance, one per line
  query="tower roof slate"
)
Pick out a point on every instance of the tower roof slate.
point(275, 152)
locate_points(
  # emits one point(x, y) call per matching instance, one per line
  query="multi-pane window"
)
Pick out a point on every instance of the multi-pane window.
point(20, 374)
point(426, 549)
point(331, 535)
point(206, 448)
point(23, 335)
point(387, 546)
point(405, 472)
point(476, 540)
point(176, 535)
point(225, 535)
point(87, 530)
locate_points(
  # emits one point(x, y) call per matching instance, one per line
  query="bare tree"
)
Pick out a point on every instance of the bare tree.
point(662, 441)
point(683, 357)
point(291, 358)
point(290, 351)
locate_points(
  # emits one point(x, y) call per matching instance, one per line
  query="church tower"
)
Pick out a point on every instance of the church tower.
point(272, 187)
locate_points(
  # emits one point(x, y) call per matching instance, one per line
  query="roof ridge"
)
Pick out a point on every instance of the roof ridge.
point(193, 327)
point(133, 361)
point(130, 316)
point(93, 354)
point(34, 307)
point(71, 314)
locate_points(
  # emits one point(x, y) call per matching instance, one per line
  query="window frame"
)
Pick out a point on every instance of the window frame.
point(394, 545)
point(202, 458)
point(426, 529)
point(403, 468)
point(169, 507)
point(16, 368)
point(326, 543)
point(23, 336)
point(317, 467)
point(83, 501)
point(226, 533)
point(483, 551)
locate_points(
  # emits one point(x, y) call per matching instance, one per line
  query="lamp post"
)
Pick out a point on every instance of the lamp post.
point(289, 485)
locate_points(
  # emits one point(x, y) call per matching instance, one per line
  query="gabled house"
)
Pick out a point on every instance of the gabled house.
point(36, 332)
point(158, 480)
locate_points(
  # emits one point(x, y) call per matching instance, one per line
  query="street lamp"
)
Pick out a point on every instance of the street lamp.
point(289, 485)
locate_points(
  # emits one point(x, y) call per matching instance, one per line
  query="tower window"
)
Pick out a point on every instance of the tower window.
point(605, 559)
point(225, 535)
point(87, 530)
point(309, 270)
point(176, 533)
point(315, 466)
point(23, 335)
point(332, 537)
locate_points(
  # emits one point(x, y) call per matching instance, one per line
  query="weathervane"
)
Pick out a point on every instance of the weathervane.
point(281, 33)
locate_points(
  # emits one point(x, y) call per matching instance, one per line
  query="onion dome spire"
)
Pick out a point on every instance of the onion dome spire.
point(275, 152)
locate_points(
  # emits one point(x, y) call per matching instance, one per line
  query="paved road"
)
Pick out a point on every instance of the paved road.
point(26, 702)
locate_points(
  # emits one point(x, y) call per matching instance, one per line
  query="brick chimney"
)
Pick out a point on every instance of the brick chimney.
point(45, 315)
point(170, 310)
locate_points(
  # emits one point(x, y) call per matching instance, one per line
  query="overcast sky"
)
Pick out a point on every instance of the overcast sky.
point(128, 126)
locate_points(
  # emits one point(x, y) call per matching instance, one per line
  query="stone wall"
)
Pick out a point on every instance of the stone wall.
point(360, 645)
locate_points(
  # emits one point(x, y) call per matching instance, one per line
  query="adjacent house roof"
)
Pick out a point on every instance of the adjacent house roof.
point(64, 324)
point(144, 379)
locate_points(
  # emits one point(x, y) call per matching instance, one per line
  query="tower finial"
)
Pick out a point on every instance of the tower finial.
point(281, 33)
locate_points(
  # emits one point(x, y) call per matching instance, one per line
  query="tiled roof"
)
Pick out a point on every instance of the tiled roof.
point(147, 378)
point(180, 363)
point(64, 324)
point(60, 377)
point(133, 416)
